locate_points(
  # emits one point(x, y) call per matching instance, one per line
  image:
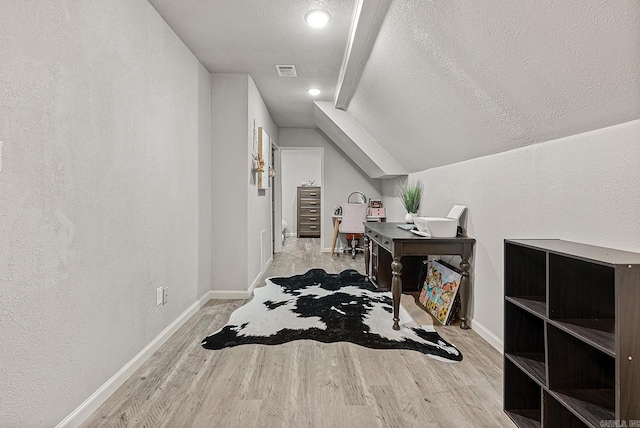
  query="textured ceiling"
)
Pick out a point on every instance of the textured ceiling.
point(453, 80)
point(252, 36)
point(447, 80)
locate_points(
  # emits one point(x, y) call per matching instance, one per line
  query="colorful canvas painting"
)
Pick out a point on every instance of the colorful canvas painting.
point(439, 291)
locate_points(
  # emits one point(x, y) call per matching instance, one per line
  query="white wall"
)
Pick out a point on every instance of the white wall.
point(340, 176)
point(298, 166)
point(103, 115)
point(240, 212)
point(394, 209)
point(229, 107)
point(581, 188)
point(204, 185)
point(258, 201)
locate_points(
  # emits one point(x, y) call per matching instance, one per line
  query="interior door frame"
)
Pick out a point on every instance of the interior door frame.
point(277, 190)
point(276, 200)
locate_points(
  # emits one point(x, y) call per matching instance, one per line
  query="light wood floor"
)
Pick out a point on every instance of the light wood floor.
point(307, 383)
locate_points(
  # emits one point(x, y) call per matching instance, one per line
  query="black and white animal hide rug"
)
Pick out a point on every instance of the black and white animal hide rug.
point(327, 308)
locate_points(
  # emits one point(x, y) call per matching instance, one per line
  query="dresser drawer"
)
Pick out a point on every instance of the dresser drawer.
point(310, 218)
point(313, 211)
point(309, 203)
point(310, 193)
point(309, 229)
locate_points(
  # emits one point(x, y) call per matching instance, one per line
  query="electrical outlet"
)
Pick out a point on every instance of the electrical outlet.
point(165, 295)
point(159, 296)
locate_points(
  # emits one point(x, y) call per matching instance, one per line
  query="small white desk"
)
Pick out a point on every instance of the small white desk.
point(336, 223)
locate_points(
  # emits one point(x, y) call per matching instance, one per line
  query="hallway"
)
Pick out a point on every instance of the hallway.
point(307, 383)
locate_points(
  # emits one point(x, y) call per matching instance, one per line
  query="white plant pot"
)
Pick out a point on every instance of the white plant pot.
point(409, 217)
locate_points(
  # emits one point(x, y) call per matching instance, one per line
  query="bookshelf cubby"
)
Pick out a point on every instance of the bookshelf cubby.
point(524, 404)
point(571, 347)
point(526, 351)
point(555, 414)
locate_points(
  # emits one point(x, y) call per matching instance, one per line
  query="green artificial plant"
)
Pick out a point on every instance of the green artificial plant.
point(410, 195)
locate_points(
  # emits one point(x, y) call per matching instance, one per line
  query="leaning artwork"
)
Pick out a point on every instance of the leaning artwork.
point(439, 291)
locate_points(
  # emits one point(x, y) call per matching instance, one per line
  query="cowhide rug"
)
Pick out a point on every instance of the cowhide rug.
point(327, 308)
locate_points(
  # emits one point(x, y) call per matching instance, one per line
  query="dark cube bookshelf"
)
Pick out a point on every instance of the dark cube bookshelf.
point(571, 334)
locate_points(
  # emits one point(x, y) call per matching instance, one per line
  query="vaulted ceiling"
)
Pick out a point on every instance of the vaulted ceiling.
point(452, 80)
point(441, 81)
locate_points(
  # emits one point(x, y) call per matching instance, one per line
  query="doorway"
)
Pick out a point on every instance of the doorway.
point(297, 165)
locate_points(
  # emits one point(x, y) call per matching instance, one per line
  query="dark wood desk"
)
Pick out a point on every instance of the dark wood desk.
point(399, 243)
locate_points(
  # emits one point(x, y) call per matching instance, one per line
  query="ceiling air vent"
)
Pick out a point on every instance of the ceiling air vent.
point(286, 70)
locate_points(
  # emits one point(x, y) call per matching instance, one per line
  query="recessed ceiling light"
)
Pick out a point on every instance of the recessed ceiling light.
point(317, 18)
point(314, 91)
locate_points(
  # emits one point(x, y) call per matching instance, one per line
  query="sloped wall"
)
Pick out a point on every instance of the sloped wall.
point(449, 81)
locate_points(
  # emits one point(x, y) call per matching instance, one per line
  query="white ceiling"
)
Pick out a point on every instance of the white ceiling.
point(447, 80)
point(252, 36)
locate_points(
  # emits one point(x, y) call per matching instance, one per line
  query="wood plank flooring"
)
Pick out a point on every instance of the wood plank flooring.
point(307, 383)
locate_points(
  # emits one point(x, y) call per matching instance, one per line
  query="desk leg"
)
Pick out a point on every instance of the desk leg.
point(367, 255)
point(396, 290)
point(464, 293)
point(336, 222)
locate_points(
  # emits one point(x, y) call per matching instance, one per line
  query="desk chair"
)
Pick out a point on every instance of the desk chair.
point(353, 218)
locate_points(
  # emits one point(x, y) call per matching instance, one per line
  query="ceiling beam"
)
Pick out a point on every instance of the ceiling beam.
point(356, 142)
point(367, 19)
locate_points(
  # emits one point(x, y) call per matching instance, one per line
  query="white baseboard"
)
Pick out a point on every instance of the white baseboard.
point(335, 251)
point(488, 336)
point(229, 294)
point(240, 294)
point(91, 404)
point(257, 280)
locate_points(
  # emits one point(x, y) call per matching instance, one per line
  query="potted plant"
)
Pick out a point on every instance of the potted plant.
point(410, 195)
